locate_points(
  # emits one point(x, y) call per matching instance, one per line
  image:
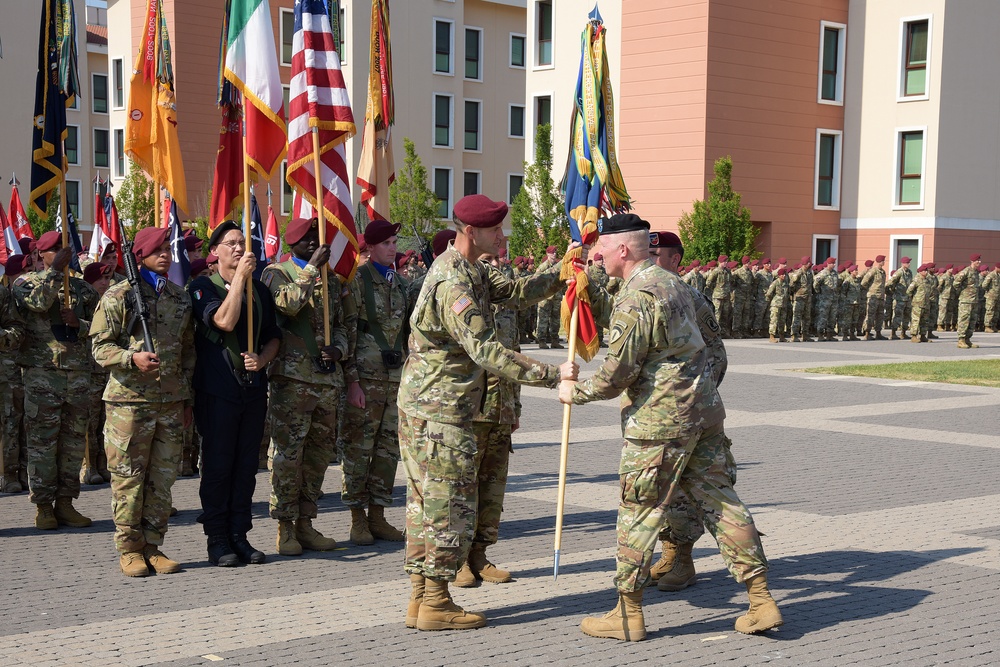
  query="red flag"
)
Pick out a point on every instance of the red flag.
point(227, 181)
point(8, 243)
point(587, 341)
point(99, 238)
point(272, 235)
point(166, 212)
point(18, 218)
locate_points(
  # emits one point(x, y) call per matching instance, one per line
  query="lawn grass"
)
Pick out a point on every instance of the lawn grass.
point(982, 372)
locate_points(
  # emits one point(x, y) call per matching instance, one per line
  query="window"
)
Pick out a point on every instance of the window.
point(102, 150)
point(471, 181)
point(828, 155)
point(73, 198)
point(339, 32)
point(99, 93)
point(442, 121)
point(831, 62)
point(916, 34)
point(543, 110)
point(119, 153)
point(514, 183)
point(911, 168)
point(72, 144)
point(286, 96)
point(515, 123)
point(472, 123)
point(119, 83)
point(287, 33)
point(905, 246)
point(443, 42)
point(473, 54)
point(517, 50)
point(442, 190)
point(824, 247)
point(543, 28)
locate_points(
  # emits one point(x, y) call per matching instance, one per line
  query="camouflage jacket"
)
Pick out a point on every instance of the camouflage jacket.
point(39, 298)
point(991, 283)
point(966, 285)
point(778, 292)
point(801, 283)
point(696, 279)
point(719, 282)
point(946, 283)
point(657, 357)
point(11, 324)
point(298, 305)
point(711, 332)
point(897, 284)
point(874, 282)
point(171, 325)
point(554, 297)
point(392, 308)
point(827, 284)
point(761, 281)
point(850, 290)
point(742, 280)
point(502, 404)
point(598, 276)
point(919, 291)
point(452, 345)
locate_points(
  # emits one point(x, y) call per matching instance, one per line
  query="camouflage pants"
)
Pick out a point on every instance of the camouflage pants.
point(369, 462)
point(493, 462)
point(548, 321)
point(143, 442)
point(992, 301)
point(724, 313)
point(848, 319)
point(875, 315)
point(946, 312)
point(762, 316)
point(303, 421)
point(442, 493)
point(920, 321)
point(776, 326)
point(55, 422)
point(95, 456)
point(800, 317)
point(11, 412)
point(900, 314)
point(700, 468)
point(739, 312)
point(966, 319)
point(826, 313)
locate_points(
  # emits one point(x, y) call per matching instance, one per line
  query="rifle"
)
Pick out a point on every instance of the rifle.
point(426, 253)
point(139, 304)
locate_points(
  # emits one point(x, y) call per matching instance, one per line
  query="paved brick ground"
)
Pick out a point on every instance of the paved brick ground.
point(878, 499)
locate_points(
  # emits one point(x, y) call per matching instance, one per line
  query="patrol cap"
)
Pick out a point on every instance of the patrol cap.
point(880, 258)
point(869, 263)
point(48, 241)
point(224, 228)
point(664, 240)
point(26, 245)
point(379, 231)
point(975, 257)
point(622, 222)
point(299, 227)
point(148, 239)
point(442, 239)
point(480, 211)
point(191, 242)
point(95, 270)
point(15, 265)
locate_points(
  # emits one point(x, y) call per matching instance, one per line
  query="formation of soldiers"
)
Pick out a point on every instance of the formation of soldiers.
point(805, 302)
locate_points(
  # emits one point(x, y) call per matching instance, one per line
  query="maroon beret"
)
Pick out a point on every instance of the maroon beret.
point(831, 260)
point(984, 268)
point(782, 271)
point(975, 258)
point(782, 260)
point(712, 264)
point(503, 252)
point(299, 227)
point(949, 267)
point(695, 263)
point(664, 240)
point(48, 241)
point(95, 270)
point(15, 265)
point(745, 259)
point(732, 265)
point(766, 260)
point(379, 231)
point(807, 260)
point(480, 211)
point(907, 260)
point(551, 249)
point(598, 257)
point(880, 258)
point(192, 242)
point(753, 263)
point(723, 258)
point(148, 240)
point(26, 245)
point(442, 239)
point(197, 266)
point(110, 248)
point(213, 258)
point(869, 263)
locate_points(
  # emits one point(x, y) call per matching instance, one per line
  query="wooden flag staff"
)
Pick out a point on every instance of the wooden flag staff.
point(574, 325)
point(247, 239)
point(321, 215)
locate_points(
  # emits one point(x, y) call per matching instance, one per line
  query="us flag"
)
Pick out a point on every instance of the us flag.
point(318, 99)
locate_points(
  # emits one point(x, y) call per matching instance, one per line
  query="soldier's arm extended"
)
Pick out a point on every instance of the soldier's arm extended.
point(911, 288)
point(628, 343)
point(39, 291)
point(291, 296)
point(710, 330)
point(602, 303)
point(91, 299)
point(461, 317)
point(11, 323)
point(106, 328)
point(522, 292)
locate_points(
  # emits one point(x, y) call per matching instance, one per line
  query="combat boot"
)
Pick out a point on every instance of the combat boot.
point(287, 543)
point(439, 612)
point(245, 551)
point(220, 553)
point(772, 339)
point(543, 346)
point(924, 339)
point(483, 569)
point(763, 614)
point(847, 338)
point(915, 339)
point(45, 518)
point(931, 334)
point(416, 597)
point(879, 336)
point(556, 345)
point(808, 339)
point(465, 577)
point(782, 340)
point(10, 484)
point(795, 339)
point(893, 336)
point(157, 560)
point(312, 539)
point(360, 533)
point(133, 564)
point(67, 515)
point(666, 562)
point(682, 574)
point(624, 622)
point(379, 527)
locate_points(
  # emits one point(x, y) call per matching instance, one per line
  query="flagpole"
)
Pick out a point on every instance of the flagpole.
point(321, 215)
point(574, 324)
point(246, 237)
point(156, 209)
point(65, 229)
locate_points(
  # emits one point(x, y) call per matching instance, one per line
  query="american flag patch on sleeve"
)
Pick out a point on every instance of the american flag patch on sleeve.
point(460, 305)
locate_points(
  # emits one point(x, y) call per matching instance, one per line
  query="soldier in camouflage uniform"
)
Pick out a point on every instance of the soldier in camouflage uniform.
point(672, 422)
point(991, 288)
point(719, 283)
point(946, 300)
point(148, 400)
point(306, 382)
point(380, 297)
point(850, 297)
point(55, 356)
point(918, 293)
point(11, 335)
point(933, 282)
point(742, 297)
point(598, 276)
point(800, 285)
point(966, 286)
point(95, 464)
point(549, 309)
point(451, 350)
point(778, 305)
point(826, 287)
point(895, 288)
point(874, 284)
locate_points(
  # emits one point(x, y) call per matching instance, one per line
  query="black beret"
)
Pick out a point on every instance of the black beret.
point(224, 227)
point(622, 222)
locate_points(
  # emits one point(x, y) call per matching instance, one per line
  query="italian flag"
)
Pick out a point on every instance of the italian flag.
point(252, 67)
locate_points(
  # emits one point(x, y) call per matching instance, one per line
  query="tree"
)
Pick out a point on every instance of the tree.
point(538, 217)
point(39, 226)
point(136, 199)
point(411, 202)
point(718, 225)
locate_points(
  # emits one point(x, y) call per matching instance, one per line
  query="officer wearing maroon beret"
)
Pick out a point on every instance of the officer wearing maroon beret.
point(967, 286)
point(549, 310)
point(11, 403)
